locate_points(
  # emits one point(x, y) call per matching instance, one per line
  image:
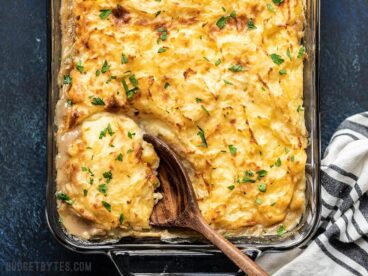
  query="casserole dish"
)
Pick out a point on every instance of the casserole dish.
point(127, 247)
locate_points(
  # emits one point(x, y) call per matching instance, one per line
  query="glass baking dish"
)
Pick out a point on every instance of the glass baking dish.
point(124, 251)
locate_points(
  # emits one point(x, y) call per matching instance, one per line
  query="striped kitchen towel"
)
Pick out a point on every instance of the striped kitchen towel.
point(340, 246)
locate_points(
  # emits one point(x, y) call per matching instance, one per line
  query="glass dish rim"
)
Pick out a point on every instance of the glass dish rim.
point(145, 246)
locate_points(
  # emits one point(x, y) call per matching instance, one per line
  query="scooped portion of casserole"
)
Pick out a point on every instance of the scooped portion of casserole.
point(220, 81)
point(106, 176)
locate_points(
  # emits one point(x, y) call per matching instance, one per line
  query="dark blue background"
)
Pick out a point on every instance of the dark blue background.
point(24, 235)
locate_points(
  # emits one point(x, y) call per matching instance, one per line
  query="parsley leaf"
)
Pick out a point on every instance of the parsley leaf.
point(102, 189)
point(97, 101)
point(124, 59)
point(221, 22)
point(282, 72)
point(80, 67)
point(105, 67)
point(232, 150)
point(288, 53)
point(106, 205)
point(300, 108)
point(108, 176)
point(278, 162)
point(281, 230)
point(259, 200)
point(166, 85)
point(261, 173)
point(202, 135)
point(120, 157)
point(262, 187)
point(228, 82)
point(251, 25)
point(131, 134)
point(231, 187)
point(67, 79)
point(277, 59)
point(198, 100)
point(301, 52)
point(64, 197)
point(205, 110)
point(105, 14)
point(218, 62)
point(236, 68)
point(161, 50)
point(121, 218)
point(277, 2)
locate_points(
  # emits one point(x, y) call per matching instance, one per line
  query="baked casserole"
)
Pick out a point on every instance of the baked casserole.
point(220, 81)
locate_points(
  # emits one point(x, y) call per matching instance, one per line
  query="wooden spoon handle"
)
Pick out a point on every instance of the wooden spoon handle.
point(239, 258)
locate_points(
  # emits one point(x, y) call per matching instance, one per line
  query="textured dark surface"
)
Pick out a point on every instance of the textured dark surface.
point(23, 97)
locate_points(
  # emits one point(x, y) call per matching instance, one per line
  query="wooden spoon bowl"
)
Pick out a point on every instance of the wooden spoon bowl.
point(179, 207)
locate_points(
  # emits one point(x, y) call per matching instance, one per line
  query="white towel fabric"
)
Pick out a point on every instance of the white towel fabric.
point(340, 246)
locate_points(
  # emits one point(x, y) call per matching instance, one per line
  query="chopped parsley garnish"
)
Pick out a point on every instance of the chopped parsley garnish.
point(130, 92)
point(85, 169)
point(108, 176)
point(233, 14)
point(97, 101)
point(288, 53)
point(106, 205)
point(232, 150)
point(124, 59)
point(121, 218)
point(270, 8)
point(161, 50)
point(278, 162)
point(110, 79)
point(106, 130)
point(85, 192)
point(80, 67)
point(131, 134)
point(247, 180)
point(65, 198)
point(223, 8)
point(281, 230)
point(292, 158)
point(262, 187)
point(98, 72)
point(69, 102)
point(105, 14)
point(248, 173)
point(277, 2)
point(206, 59)
point(198, 100)
point(301, 52)
point(261, 173)
point(231, 187)
point(221, 22)
point(236, 68)
point(67, 79)
point(163, 33)
point(205, 110)
point(102, 189)
point(228, 82)
point(251, 25)
point(282, 72)
point(120, 157)
point(129, 150)
point(105, 67)
point(277, 59)
point(166, 85)
point(218, 62)
point(259, 201)
point(202, 135)
point(300, 108)
point(157, 13)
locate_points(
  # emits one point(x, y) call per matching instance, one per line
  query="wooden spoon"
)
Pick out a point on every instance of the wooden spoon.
point(179, 207)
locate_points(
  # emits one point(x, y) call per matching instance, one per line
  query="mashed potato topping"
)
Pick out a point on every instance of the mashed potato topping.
point(220, 81)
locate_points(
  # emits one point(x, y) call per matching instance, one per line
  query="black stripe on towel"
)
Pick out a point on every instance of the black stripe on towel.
point(343, 172)
point(336, 260)
point(355, 127)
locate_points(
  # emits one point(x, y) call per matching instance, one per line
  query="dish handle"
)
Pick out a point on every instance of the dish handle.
point(173, 262)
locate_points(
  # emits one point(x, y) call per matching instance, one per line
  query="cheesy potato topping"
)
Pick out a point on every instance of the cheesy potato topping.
point(108, 173)
point(220, 81)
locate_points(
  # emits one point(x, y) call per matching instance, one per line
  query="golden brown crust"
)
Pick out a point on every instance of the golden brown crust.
point(239, 86)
